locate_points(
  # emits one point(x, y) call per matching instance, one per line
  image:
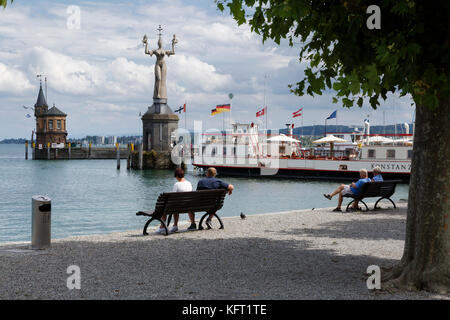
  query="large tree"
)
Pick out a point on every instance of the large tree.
point(3, 3)
point(408, 52)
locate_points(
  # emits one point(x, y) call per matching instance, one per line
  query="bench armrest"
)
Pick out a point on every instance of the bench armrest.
point(145, 213)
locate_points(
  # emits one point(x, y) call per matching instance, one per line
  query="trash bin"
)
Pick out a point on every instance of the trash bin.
point(40, 222)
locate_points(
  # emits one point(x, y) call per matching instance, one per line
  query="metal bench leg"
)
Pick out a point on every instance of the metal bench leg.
point(376, 203)
point(220, 221)
point(200, 227)
point(145, 233)
point(367, 208)
point(348, 206)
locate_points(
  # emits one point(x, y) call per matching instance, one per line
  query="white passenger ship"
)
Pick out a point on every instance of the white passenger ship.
point(247, 152)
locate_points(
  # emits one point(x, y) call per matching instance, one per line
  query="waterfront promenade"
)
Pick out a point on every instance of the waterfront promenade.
point(306, 254)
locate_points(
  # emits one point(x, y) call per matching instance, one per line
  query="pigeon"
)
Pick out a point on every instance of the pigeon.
point(242, 215)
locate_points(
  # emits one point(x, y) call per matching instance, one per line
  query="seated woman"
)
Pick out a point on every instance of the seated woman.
point(182, 185)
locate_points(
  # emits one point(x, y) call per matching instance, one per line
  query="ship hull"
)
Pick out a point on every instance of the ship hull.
point(301, 173)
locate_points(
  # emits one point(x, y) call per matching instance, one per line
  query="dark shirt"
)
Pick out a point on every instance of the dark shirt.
point(211, 183)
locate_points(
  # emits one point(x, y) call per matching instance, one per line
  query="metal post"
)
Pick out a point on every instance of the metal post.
point(26, 150)
point(141, 155)
point(48, 150)
point(129, 157)
point(118, 156)
point(90, 147)
point(70, 150)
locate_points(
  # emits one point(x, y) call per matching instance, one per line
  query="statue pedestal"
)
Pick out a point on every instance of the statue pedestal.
point(159, 124)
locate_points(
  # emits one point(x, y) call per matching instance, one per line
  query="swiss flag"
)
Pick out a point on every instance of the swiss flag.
point(261, 112)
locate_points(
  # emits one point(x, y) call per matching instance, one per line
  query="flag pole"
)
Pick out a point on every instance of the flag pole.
point(302, 123)
point(336, 123)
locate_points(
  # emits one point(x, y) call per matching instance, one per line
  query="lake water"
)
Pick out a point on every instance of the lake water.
point(92, 196)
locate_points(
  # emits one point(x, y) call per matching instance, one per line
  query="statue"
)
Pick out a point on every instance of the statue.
point(160, 91)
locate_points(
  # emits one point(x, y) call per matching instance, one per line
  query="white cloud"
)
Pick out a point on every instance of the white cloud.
point(67, 75)
point(13, 80)
point(100, 76)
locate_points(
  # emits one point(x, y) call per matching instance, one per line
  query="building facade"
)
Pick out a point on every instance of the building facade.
point(50, 124)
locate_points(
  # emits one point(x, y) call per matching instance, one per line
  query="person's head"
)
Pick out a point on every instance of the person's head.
point(376, 171)
point(211, 172)
point(179, 173)
point(363, 173)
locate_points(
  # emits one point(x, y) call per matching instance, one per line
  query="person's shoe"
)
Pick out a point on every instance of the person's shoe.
point(192, 227)
point(208, 223)
point(160, 231)
point(327, 196)
point(174, 229)
point(337, 210)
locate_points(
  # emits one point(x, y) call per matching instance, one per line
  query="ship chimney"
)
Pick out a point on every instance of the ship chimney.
point(406, 128)
point(367, 129)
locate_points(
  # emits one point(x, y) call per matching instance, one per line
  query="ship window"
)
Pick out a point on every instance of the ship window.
point(58, 124)
point(390, 154)
point(50, 124)
point(224, 151)
point(410, 153)
point(371, 153)
point(213, 152)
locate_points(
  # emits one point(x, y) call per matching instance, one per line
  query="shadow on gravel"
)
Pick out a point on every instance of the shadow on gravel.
point(157, 267)
point(372, 229)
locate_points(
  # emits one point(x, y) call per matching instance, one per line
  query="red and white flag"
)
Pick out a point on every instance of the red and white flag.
point(184, 107)
point(297, 113)
point(261, 112)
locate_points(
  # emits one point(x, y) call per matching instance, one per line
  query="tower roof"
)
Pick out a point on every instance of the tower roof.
point(41, 102)
point(54, 111)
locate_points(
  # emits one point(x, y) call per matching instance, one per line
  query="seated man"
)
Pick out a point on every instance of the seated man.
point(376, 177)
point(353, 188)
point(210, 182)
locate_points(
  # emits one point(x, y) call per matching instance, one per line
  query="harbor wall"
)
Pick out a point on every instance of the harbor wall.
point(152, 160)
point(79, 153)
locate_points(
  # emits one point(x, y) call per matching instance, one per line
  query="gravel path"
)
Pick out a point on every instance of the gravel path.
point(307, 254)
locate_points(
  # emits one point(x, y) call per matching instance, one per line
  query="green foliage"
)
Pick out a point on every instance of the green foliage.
point(3, 3)
point(409, 54)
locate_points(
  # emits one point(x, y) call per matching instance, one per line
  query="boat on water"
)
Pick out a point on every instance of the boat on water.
point(339, 156)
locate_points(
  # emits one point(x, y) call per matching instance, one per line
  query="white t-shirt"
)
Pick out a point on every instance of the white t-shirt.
point(183, 186)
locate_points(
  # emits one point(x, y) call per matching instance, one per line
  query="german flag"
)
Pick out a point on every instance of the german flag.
point(223, 108)
point(214, 112)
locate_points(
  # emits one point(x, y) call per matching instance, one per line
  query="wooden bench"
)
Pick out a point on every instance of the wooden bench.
point(382, 189)
point(209, 201)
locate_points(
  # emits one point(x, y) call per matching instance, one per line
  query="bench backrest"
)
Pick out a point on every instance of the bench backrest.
point(193, 201)
point(379, 189)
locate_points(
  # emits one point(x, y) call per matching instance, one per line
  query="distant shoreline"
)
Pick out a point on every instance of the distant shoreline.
point(13, 141)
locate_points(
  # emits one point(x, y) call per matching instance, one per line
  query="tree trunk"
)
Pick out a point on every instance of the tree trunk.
point(425, 264)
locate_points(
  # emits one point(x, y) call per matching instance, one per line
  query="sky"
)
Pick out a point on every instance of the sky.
point(100, 77)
